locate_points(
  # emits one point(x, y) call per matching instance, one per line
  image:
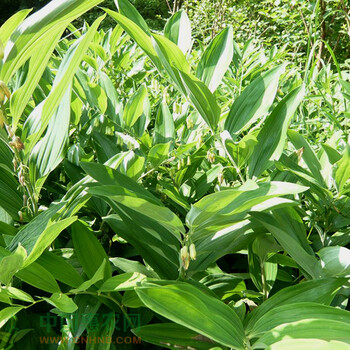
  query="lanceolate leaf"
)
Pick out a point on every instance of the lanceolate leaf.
point(37, 64)
point(129, 11)
point(11, 24)
point(318, 291)
point(87, 245)
point(49, 151)
point(178, 30)
point(173, 335)
point(202, 99)
point(296, 312)
point(26, 38)
point(308, 329)
point(308, 154)
point(138, 34)
point(307, 344)
point(273, 134)
point(164, 129)
point(41, 115)
point(216, 59)
point(188, 306)
point(342, 174)
point(40, 233)
point(135, 106)
point(261, 91)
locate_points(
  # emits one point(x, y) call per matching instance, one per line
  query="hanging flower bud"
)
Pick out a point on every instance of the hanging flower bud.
point(185, 258)
point(199, 142)
point(189, 123)
point(211, 157)
point(17, 143)
point(25, 200)
point(182, 162)
point(220, 178)
point(4, 91)
point(300, 153)
point(14, 162)
point(22, 180)
point(9, 131)
point(20, 214)
point(177, 108)
point(179, 165)
point(193, 253)
point(188, 162)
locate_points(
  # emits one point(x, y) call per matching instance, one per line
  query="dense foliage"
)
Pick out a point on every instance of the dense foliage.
point(186, 195)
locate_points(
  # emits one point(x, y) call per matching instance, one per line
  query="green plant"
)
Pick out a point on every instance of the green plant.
point(204, 190)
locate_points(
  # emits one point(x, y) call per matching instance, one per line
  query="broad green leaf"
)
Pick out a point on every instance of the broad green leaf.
point(333, 154)
point(342, 174)
point(123, 282)
point(28, 36)
point(296, 312)
point(289, 231)
point(40, 233)
point(222, 209)
point(127, 265)
point(88, 307)
point(39, 277)
point(134, 107)
point(11, 24)
point(11, 264)
point(34, 275)
point(15, 293)
point(241, 151)
point(154, 242)
point(86, 245)
point(108, 176)
point(62, 302)
point(98, 276)
point(188, 306)
point(164, 129)
point(254, 102)
point(129, 11)
point(50, 150)
point(137, 33)
point(308, 344)
point(172, 335)
point(8, 312)
point(272, 136)
point(133, 165)
point(172, 59)
point(335, 261)
point(308, 154)
point(106, 325)
point(170, 54)
point(114, 106)
point(98, 97)
point(38, 120)
point(162, 215)
point(60, 269)
point(318, 291)
point(307, 329)
point(216, 59)
point(158, 153)
point(202, 99)
point(37, 65)
point(263, 271)
point(9, 189)
point(178, 30)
